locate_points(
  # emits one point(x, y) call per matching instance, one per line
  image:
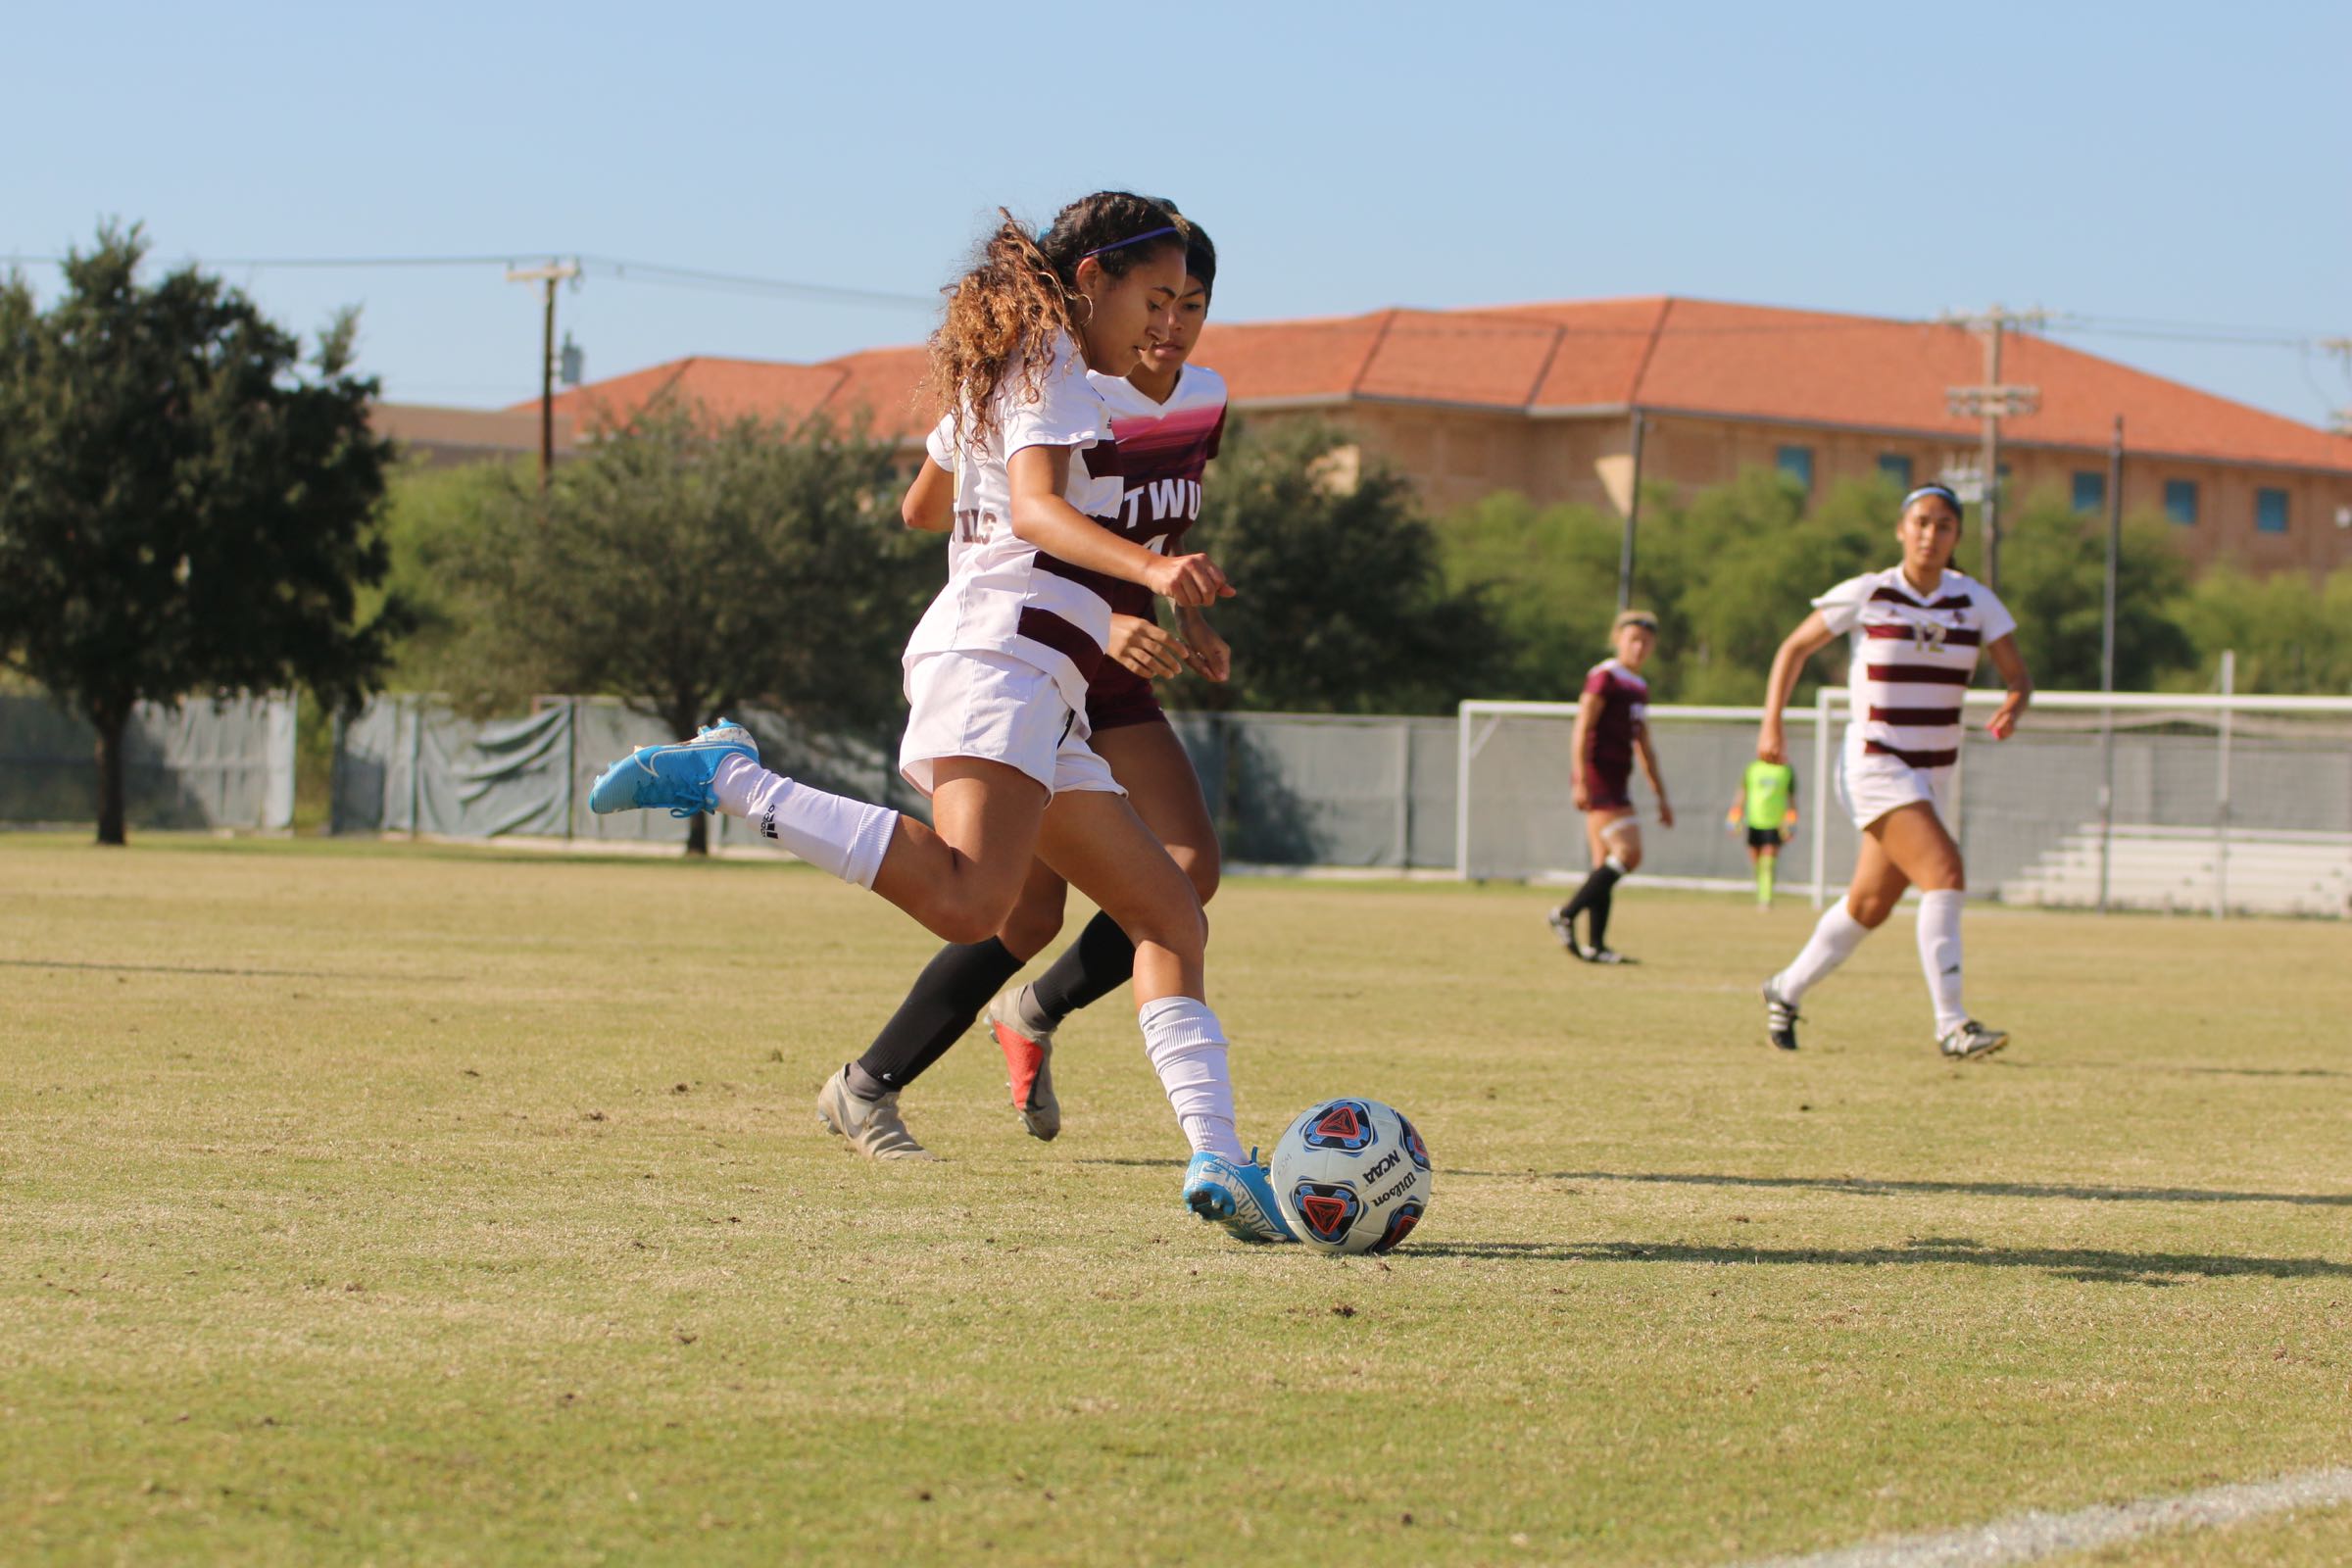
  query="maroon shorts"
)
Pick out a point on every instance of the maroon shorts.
point(1118, 697)
point(1607, 790)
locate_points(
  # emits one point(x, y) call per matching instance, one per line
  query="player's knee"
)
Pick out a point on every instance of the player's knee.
point(969, 909)
point(1180, 927)
point(1870, 913)
point(1030, 929)
point(1629, 855)
point(1201, 867)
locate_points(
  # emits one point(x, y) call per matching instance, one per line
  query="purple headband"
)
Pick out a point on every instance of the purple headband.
point(1132, 239)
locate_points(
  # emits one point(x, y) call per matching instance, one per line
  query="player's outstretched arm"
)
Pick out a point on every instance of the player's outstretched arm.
point(2012, 666)
point(1042, 517)
point(1811, 636)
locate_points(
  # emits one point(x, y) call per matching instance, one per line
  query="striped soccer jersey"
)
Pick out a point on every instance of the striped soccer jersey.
point(1912, 658)
point(1004, 595)
point(1161, 451)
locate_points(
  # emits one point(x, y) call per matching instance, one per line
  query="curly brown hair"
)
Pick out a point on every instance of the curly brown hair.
point(1007, 310)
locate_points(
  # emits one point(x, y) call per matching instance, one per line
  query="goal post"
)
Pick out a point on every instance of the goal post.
point(2187, 801)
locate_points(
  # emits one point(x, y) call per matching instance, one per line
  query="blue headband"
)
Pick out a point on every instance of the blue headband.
point(1944, 491)
point(1132, 239)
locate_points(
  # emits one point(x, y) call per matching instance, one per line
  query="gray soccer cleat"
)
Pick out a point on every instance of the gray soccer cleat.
point(1563, 926)
point(1969, 1039)
point(1028, 1065)
point(873, 1127)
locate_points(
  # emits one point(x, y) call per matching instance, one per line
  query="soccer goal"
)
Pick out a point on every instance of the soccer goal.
point(2214, 803)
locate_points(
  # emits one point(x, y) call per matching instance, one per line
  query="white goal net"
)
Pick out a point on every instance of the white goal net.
point(2150, 801)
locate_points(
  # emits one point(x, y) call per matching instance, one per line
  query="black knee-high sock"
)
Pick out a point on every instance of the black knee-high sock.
point(1597, 915)
point(946, 997)
point(1594, 890)
point(1091, 968)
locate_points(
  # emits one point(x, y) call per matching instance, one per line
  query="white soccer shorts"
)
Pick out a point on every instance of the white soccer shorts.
point(999, 708)
point(1869, 784)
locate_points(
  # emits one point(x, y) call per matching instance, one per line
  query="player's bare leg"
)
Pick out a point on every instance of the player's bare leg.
point(1914, 837)
point(1097, 841)
point(1165, 791)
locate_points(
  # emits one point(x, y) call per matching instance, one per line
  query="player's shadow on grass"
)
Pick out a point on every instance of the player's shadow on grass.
point(2093, 1264)
point(1872, 1186)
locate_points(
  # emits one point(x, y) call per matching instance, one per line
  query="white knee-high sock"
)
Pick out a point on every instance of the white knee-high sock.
point(1187, 1048)
point(845, 837)
point(1833, 941)
point(1939, 955)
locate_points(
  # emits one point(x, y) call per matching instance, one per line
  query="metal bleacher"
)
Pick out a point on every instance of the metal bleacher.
point(2187, 869)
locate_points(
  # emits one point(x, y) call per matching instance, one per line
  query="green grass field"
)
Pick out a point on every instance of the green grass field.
point(393, 1205)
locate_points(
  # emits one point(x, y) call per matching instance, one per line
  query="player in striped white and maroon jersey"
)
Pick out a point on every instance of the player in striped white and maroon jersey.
point(1917, 630)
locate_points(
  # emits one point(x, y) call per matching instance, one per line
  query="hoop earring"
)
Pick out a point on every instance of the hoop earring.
point(1081, 321)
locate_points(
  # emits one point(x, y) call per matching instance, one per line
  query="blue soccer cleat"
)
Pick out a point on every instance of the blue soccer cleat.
point(677, 775)
point(1236, 1196)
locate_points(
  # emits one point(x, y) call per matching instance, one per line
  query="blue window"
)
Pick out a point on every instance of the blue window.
point(2090, 490)
point(1797, 464)
point(1895, 466)
point(2270, 510)
point(2181, 501)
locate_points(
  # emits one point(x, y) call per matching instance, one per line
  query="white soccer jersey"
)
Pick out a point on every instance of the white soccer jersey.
point(1912, 658)
point(1003, 594)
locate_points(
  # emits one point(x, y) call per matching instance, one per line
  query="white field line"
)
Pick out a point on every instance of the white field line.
point(2033, 1536)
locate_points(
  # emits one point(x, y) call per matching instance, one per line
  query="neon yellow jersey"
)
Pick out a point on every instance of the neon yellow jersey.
point(1769, 786)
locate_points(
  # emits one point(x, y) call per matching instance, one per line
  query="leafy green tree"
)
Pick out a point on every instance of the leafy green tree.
point(689, 567)
point(1342, 603)
point(1735, 568)
point(183, 509)
point(2293, 635)
point(2053, 579)
point(1548, 577)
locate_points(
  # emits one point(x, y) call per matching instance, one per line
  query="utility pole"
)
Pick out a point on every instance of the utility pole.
point(2115, 554)
point(2341, 348)
point(1632, 520)
point(1992, 402)
point(551, 274)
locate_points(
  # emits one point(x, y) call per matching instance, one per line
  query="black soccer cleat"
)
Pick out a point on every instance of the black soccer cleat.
point(1780, 1019)
point(1563, 926)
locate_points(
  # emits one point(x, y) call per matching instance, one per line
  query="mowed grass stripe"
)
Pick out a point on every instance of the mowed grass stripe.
point(493, 1221)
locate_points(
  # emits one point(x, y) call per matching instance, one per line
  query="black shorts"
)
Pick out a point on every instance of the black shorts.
point(1763, 837)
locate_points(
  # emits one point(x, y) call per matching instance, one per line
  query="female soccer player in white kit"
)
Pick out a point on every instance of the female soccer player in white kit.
point(997, 671)
point(1167, 417)
point(1917, 630)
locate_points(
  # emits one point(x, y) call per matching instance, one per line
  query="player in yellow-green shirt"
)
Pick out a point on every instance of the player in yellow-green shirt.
point(1767, 805)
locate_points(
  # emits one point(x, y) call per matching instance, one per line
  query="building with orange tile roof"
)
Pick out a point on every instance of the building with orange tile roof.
point(1540, 399)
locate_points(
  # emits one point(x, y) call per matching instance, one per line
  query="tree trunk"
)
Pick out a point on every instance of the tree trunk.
point(110, 727)
point(682, 717)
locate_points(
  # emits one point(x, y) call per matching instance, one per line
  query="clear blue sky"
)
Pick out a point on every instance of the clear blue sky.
point(2167, 161)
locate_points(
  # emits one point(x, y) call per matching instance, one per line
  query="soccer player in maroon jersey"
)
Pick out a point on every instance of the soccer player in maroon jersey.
point(1612, 729)
point(1917, 630)
point(1167, 417)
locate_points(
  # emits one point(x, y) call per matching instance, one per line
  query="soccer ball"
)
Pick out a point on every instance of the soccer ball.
point(1351, 1176)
